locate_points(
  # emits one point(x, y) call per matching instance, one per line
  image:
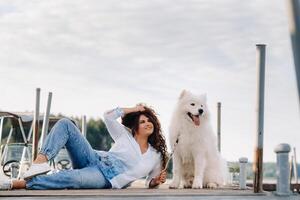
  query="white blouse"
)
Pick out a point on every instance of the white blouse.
point(128, 150)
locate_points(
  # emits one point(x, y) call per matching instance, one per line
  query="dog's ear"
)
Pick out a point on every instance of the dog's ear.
point(183, 93)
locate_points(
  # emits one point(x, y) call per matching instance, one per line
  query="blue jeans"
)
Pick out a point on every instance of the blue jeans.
point(86, 172)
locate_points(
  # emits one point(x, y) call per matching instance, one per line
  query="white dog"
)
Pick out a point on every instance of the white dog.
point(196, 160)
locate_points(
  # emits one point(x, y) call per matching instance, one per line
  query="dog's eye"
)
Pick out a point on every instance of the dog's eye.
point(192, 104)
point(201, 106)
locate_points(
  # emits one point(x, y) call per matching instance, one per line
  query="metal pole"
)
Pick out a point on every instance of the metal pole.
point(258, 159)
point(9, 135)
point(24, 163)
point(291, 169)
point(35, 139)
point(219, 126)
point(30, 131)
point(294, 24)
point(295, 166)
point(22, 131)
point(1, 127)
point(83, 126)
point(46, 120)
point(4, 153)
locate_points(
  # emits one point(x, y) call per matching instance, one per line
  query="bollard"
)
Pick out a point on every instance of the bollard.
point(282, 169)
point(243, 172)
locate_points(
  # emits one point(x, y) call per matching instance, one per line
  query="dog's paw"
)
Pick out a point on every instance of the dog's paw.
point(197, 185)
point(173, 185)
point(186, 186)
point(211, 185)
point(187, 183)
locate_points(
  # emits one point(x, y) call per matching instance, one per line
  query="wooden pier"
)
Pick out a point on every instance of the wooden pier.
point(137, 191)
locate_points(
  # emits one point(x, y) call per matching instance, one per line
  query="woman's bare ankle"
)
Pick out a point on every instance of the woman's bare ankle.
point(18, 184)
point(40, 159)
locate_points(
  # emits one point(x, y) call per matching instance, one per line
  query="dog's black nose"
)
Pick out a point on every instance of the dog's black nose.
point(200, 111)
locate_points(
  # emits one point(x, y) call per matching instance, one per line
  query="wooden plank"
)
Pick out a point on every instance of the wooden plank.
point(272, 187)
point(134, 192)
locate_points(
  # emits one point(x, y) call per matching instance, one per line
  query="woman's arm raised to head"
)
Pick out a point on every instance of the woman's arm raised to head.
point(116, 129)
point(137, 108)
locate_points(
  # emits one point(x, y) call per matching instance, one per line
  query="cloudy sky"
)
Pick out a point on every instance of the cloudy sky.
point(96, 55)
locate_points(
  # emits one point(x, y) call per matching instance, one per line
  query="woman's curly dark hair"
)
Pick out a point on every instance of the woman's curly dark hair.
point(156, 139)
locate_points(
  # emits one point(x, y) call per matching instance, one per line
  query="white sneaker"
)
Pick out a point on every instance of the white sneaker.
point(36, 169)
point(5, 184)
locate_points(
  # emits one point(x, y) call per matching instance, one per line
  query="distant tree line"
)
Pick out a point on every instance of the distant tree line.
point(269, 169)
point(97, 134)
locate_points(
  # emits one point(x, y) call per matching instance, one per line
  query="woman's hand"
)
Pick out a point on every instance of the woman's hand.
point(137, 108)
point(160, 179)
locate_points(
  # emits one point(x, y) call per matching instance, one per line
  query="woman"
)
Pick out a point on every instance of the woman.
point(139, 151)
